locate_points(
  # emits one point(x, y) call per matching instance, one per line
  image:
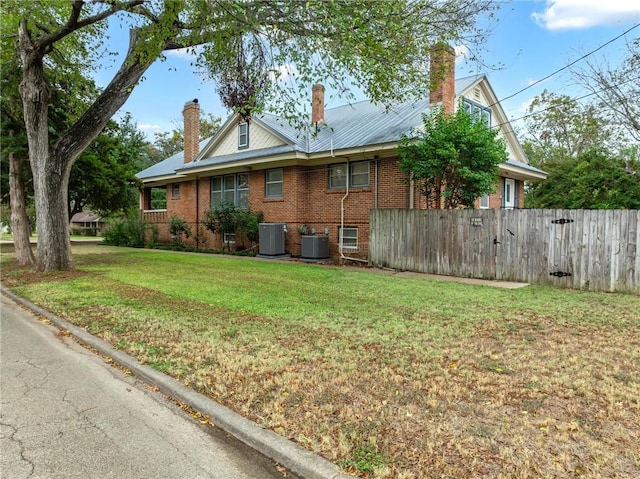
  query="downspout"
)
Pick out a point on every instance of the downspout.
point(197, 212)
point(412, 190)
point(340, 245)
point(375, 184)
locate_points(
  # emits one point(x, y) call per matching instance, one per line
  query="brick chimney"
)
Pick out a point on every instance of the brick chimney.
point(191, 114)
point(442, 77)
point(317, 104)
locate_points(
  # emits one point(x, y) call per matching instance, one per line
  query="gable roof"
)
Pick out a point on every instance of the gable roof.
point(356, 125)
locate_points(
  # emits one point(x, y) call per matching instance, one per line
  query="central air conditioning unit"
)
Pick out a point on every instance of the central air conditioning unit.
point(272, 236)
point(315, 248)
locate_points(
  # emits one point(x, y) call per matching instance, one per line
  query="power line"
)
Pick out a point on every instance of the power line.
point(569, 65)
point(564, 103)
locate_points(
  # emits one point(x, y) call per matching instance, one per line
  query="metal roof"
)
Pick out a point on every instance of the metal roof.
point(354, 125)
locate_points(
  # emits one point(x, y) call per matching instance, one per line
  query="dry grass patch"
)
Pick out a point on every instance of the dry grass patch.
point(387, 377)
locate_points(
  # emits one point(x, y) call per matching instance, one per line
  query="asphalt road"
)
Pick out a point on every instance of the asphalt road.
point(66, 413)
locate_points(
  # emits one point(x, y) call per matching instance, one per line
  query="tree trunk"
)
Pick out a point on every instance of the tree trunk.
point(19, 221)
point(50, 184)
point(50, 177)
point(51, 167)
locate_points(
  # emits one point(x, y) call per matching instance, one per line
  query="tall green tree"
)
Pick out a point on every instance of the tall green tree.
point(558, 127)
point(103, 178)
point(616, 89)
point(453, 157)
point(591, 180)
point(324, 40)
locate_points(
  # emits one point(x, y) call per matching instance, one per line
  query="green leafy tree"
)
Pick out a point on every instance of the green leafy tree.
point(168, 143)
point(453, 157)
point(103, 178)
point(591, 180)
point(617, 90)
point(558, 128)
point(324, 40)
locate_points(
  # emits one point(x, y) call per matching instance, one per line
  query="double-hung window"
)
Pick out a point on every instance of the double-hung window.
point(274, 180)
point(175, 191)
point(358, 175)
point(230, 189)
point(484, 202)
point(243, 136)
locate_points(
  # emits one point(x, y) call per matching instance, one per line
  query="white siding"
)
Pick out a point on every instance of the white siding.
point(258, 138)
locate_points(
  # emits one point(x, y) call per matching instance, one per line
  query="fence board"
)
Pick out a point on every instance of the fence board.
point(600, 249)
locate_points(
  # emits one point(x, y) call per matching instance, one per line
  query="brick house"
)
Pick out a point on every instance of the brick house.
point(327, 177)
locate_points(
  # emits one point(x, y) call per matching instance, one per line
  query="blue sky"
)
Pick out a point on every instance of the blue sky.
point(530, 40)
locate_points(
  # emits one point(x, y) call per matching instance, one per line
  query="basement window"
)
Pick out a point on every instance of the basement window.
point(349, 238)
point(229, 238)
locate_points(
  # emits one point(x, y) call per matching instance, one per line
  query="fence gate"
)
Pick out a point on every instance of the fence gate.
point(582, 249)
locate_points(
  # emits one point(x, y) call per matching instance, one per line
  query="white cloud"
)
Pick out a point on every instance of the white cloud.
point(462, 52)
point(579, 14)
point(147, 126)
point(185, 53)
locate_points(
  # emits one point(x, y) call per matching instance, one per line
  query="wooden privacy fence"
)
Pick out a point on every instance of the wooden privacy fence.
point(597, 250)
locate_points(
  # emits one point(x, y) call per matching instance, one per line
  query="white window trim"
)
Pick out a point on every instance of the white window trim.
point(488, 200)
point(509, 203)
point(229, 238)
point(343, 237)
point(243, 145)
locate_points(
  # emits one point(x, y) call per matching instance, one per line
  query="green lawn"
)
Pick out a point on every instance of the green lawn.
point(387, 376)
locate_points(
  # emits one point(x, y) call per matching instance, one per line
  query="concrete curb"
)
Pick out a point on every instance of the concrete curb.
point(285, 452)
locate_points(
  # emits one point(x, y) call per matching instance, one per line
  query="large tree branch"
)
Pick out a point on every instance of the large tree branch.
point(73, 24)
point(80, 135)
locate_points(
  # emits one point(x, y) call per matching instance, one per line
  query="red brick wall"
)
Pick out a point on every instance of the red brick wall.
point(307, 199)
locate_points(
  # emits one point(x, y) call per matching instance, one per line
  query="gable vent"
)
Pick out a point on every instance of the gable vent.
point(476, 93)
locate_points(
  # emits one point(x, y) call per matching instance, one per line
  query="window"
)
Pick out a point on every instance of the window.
point(175, 191)
point(477, 111)
point(158, 198)
point(349, 238)
point(509, 193)
point(229, 238)
point(273, 183)
point(230, 188)
point(338, 176)
point(358, 175)
point(484, 202)
point(243, 136)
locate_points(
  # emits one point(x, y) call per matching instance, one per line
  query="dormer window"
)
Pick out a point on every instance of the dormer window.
point(477, 111)
point(243, 135)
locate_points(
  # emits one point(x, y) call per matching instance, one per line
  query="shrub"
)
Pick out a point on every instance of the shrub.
point(228, 218)
point(177, 228)
point(83, 231)
point(128, 231)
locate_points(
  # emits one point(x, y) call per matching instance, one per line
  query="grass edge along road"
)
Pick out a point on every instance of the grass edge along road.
point(387, 376)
